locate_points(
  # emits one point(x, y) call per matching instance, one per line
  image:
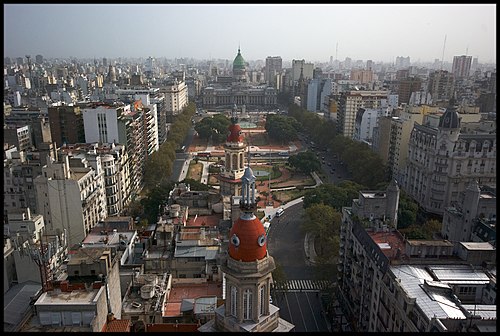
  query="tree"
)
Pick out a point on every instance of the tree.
point(305, 162)
point(324, 223)
point(336, 196)
point(215, 127)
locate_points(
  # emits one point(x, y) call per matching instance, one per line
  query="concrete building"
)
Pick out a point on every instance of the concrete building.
point(152, 99)
point(145, 299)
point(273, 70)
point(66, 124)
point(445, 158)
point(441, 86)
point(460, 220)
point(19, 136)
point(318, 92)
point(407, 87)
point(350, 102)
point(32, 257)
point(461, 66)
point(20, 170)
point(366, 121)
point(392, 144)
point(299, 66)
point(115, 164)
point(71, 197)
point(247, 268)
point(361, 76)
point(390, 284)
point(176, 97)
point(83, 301)
point(38, 124)
point(132, 127)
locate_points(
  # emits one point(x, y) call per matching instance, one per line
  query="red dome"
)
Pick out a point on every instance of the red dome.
point(235, 134)
point(247, 240)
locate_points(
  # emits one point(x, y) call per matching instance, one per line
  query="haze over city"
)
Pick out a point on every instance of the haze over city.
point(316, 32)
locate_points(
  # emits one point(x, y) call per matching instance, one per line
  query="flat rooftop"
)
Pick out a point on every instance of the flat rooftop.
point(389, 242)
point(76, 297)
point(179, 292)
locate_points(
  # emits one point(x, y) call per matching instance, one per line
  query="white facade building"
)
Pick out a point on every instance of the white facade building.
point(176, 96)
point(71, 197)
point(349, 104)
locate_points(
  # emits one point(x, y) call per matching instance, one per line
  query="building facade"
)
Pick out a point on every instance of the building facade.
point(350, 102)
point(71, 197)
point(443, 160)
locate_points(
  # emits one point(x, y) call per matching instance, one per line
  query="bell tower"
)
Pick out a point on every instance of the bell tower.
point(234, 167)
point(247, 269)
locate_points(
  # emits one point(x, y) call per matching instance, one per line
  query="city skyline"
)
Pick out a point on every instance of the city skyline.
point(379, 32)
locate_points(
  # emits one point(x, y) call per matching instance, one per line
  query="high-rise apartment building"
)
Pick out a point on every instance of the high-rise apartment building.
point(66, 124)
point(406, 87)
point(441, 86)
point(274, 67)
point(461, 66)
point(350, 102)
point(71, 197)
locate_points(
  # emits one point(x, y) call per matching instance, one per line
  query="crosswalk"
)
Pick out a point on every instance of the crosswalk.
point(302, 285)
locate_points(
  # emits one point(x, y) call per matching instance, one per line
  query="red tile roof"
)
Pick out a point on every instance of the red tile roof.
point(117, 326)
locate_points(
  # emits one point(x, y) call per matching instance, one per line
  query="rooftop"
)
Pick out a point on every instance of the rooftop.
point(189, 291)
point(75, 297)
point(389, 242)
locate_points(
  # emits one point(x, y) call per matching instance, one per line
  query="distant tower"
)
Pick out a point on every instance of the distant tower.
point(302, 88)
point(230, 176)
point(247, 269)
point(111, 77)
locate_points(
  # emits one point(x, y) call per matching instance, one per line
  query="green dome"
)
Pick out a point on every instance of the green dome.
point(239, 62)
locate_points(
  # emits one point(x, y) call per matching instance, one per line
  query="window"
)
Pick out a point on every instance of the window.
point(247, 304)
point(234, 294)
point(262, 298)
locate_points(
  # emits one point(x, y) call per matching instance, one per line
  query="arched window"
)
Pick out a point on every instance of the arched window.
point(234, 162)
point(234, 299)
point(247, 304)
point(262, 300)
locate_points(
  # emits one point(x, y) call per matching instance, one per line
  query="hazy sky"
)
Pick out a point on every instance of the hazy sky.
point(379, 32)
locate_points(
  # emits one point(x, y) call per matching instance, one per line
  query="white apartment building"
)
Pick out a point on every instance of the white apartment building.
point(350, 102)
point(71, 197)
point(115, 164)
point(176, 96)
point(366, 121)
point(135, 127)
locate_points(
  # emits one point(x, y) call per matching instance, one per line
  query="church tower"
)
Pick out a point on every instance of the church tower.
point(234, 167)
point(302, 88)
point(247, 269)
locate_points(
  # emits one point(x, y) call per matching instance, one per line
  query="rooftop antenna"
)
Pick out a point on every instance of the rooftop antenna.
point(336, 51)
point(442, 57)
point(467, 50)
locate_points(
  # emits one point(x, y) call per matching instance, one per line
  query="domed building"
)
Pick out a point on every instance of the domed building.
point(239, 68)
point(444, 160)
point(227, 90)
point(247, 268)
